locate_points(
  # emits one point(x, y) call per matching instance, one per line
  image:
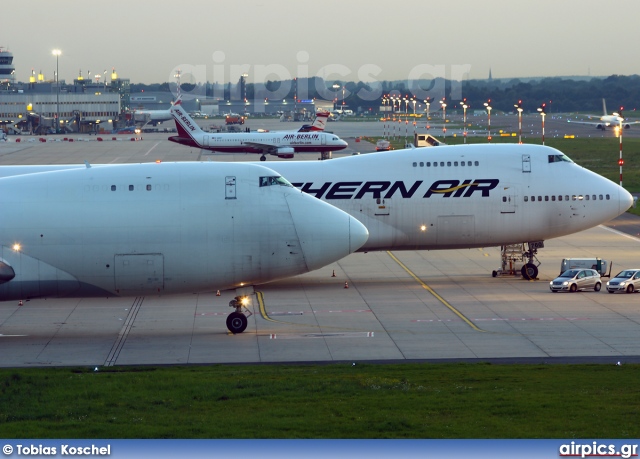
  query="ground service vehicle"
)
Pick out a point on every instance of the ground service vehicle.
point(573, 280)
point(625, 281)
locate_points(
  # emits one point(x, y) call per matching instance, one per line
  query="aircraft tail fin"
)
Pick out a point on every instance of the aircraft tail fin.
point(185, 125)
point(604, 107)
point(318, 124)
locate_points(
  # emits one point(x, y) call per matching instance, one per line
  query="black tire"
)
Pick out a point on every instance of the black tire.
point(597, 287)
point(263, 158)
point(529, 271)
point(236, 322)
point(494, 273)
point(630, 288)
point(573, 288)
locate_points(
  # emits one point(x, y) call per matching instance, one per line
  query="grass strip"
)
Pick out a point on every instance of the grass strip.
point(323, 401)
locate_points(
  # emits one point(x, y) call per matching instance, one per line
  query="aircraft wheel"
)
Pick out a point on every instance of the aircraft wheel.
point(630, 289)
point(573, 288)
point(597, 287)
point(236, 322)
point(529, 271)
point(494, 273)
point(263, 158)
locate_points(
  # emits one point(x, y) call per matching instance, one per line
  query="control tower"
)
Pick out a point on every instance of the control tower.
point(7, 70)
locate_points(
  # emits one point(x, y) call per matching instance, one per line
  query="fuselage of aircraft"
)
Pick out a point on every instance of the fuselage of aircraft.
point(282, 143)
point(154, 229)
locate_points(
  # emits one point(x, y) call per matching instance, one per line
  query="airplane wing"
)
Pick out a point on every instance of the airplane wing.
point(265, 147)
point(603, 123)
point(281, 151)
point(592, 123)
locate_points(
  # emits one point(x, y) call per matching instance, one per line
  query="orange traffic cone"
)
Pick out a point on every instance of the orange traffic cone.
point(346, 285)
point(334, 273)
point(218, 293)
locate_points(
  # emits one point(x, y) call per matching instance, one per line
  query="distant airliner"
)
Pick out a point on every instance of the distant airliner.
point(153, 117)
point(607, 120)
point(281, 143)
point(155, 229)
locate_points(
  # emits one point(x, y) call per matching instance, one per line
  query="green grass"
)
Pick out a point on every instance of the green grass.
point(332, 401)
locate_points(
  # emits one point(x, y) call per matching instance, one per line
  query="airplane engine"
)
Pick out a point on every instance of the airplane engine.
point(626, 125)
point(285, 152)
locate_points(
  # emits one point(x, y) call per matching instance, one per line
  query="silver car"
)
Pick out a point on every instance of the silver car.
point(573, 280)
point(625, 281)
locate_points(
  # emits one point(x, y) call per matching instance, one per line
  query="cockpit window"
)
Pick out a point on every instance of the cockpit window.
point(559, 158)
point(276, 180)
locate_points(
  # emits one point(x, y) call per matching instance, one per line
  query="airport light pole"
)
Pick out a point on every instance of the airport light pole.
point(335, 87)
point(392, 119)
point(543, 111)
point(427, 102)
point(464, 118)
point(444, 117)
point(518, 107)
point(488, 107)
point(384, 114)
point(620, 161)
point(56, 53)
point(413, 101)
point(406, 120)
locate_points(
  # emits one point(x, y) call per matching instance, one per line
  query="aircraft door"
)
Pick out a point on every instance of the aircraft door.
point(323, 139)
point(508, 200)
point(382, 206)
point(230, 187)
point(526, 163)
point(205, 141)
point(139, 273)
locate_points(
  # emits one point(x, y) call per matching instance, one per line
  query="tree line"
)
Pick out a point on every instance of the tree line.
point(559, 94)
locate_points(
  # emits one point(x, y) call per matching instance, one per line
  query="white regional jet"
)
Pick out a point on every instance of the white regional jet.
point(282, 143)
point(154, 229)
point(606, 120)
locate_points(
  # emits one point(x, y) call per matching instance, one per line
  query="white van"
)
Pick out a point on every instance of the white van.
point(598, 264)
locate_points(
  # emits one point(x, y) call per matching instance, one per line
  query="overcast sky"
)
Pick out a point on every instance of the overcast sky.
point(348, 40)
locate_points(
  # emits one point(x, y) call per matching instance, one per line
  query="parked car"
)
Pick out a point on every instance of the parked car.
point(573, 280)
point(625, 281)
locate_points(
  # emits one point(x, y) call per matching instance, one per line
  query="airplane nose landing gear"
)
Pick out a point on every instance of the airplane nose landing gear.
point(237, 320)
point(530, 269)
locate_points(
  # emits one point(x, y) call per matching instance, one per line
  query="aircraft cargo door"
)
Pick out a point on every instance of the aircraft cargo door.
point(508, 200)
point(139, 274)
point(455, 230)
